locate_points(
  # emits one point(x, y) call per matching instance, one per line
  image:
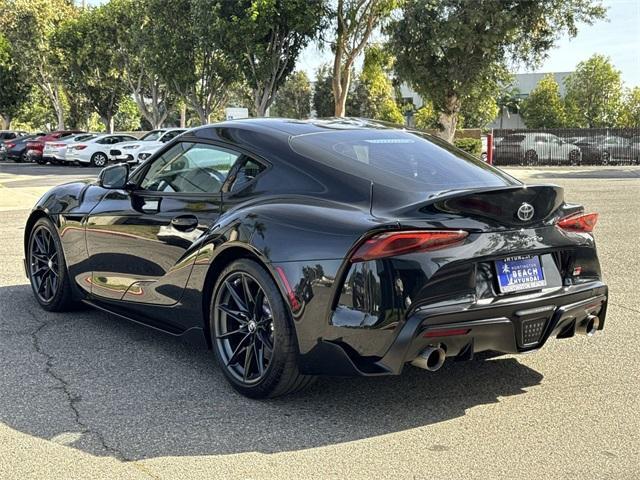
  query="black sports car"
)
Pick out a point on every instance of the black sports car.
point(342, 247)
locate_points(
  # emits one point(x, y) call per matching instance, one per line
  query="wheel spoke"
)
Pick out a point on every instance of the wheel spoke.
point(235, 314)
point(236, 298)
point(39, 243)
point(247, 361)
point(238, 349)
point(266, 341)
point(247, 294)
point(234, 332)
point(259, 354)
point(258, 305)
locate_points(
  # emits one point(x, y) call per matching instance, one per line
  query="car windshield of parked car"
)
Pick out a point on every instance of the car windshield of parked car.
point(400, 159)
point(152, 136)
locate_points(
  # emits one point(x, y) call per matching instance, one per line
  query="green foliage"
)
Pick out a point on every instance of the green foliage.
point(127, 117)
point(323, 102)
point(374, 93)
point(29, 26)
point(35, 113)
point(544, 107)
point(133, 43)
point(13, 87)
point(293, 100)
point(266, 37)
point(355, 22)
point(426, 118)
point(480, 108)
point(89, 63)
point(449, 49)
point(469, 145)
point(630, 112)
point(185, 52)
point(594, 94)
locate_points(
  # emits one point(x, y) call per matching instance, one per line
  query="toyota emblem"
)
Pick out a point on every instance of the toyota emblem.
point(525, 212)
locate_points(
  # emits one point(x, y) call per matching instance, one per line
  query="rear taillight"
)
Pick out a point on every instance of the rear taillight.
point(9, 145)
point(57, 145)
point(391, 244)
point(79, 147)
point(582, 222)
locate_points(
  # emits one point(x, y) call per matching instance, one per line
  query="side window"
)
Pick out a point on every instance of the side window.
point(541, 139)
point(170, 136)
point(189, 168)
point(247, 171)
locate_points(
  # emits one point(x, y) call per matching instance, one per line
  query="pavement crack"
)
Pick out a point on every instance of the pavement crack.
point(72, 400)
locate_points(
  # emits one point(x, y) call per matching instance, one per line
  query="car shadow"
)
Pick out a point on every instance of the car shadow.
point(110, 387)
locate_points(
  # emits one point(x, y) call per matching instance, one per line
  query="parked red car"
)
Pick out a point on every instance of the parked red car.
point(35, 147)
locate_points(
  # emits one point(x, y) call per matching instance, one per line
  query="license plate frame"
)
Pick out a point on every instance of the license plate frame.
point(520, 273)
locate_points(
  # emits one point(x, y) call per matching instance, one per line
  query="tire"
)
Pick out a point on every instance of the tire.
point(240, 339)
point(574, 158)
point(531, 158)
point(47, 268)
point(99, 159)
point(22, 158)
point(41, 161)
point(605, 158)
point(483, 157)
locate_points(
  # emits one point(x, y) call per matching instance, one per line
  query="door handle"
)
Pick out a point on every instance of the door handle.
point(185, 223)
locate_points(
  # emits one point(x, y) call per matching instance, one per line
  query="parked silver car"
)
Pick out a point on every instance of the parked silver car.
point(537, 148)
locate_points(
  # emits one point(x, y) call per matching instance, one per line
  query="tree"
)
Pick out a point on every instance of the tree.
point(544, 107)
point(184, 51)
point(426, 118)
point(323, 93)
point(508, 101)
point(630, 113)
point(29, 26)
point(356, 20)
point(89, 63)
point(446, 48)
point(13, 87)
point(594, 93)
point(266, 37)
point(127, 118)
point(374, 91)
point(153, 96)
point(293, 100)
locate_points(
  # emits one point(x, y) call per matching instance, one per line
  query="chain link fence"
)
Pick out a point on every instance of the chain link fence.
point(567, 146)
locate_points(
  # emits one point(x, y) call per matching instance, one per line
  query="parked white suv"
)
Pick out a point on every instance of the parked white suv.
point(128, 152)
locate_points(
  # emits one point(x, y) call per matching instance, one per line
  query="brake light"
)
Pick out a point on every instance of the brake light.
point(56, 145)
point(79, 147)
point(9, 145)
point(582, 222)
point(391, 244)
point(451, 332)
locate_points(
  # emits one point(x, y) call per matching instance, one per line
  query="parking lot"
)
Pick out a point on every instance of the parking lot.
point(86, 395)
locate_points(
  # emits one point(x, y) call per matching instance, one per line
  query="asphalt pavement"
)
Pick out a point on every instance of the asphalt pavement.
point(86, 395)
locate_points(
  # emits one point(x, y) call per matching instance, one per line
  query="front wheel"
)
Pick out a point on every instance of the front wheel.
point(99, 159)
point(47, 268)
point(531, 158)
point(252, 334)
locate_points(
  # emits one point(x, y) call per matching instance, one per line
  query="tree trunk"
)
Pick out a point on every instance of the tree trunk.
point(59, 114)
point(183, 115)
point(6, 122)
point(108, 122)
point(448, 118)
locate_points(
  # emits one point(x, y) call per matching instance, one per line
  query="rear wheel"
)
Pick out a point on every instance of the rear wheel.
point(47, 268)
point(251, 333)
point(98, 159)
point(606, 158)
point(530, 157)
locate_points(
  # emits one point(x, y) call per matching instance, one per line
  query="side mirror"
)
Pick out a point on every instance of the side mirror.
point(114, 177)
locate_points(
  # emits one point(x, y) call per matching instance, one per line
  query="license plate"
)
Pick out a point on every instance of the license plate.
point(516, 274)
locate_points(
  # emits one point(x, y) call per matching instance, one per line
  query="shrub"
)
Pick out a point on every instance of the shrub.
point(469, 145)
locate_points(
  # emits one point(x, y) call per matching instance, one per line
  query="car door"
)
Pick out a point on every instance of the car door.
point(141, 240)
point(542, 148)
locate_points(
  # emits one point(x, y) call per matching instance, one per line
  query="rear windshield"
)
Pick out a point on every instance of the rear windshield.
point(399, 159)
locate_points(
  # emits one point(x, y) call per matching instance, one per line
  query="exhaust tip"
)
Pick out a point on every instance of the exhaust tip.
point(589, 325)
point(431, 358)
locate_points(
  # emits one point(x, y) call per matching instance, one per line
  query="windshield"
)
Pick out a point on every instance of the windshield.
point(152, 136)
point(400, 159)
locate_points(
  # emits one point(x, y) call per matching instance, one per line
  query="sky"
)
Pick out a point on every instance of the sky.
point(617, 37)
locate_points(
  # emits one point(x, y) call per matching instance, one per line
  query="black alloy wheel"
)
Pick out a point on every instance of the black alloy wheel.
point(251, 333)
point(605, 158)
point(47, 268)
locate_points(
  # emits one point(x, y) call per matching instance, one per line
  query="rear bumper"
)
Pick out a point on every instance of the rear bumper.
point(514, 327)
